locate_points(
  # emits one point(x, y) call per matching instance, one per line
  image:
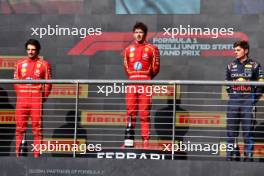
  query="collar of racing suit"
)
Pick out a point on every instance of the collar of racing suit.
point(139, 44)
point(244, 63)
point(33, 60)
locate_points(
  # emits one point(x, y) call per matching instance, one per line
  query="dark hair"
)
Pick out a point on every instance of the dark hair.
point(33, 42)
point(243, 44)
point(142, 26)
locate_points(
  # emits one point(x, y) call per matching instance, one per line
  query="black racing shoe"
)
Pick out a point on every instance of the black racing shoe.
point(236, 155)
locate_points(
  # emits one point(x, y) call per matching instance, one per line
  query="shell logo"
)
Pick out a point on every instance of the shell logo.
point(131, 55)
point(23, 70)
point(240, 79)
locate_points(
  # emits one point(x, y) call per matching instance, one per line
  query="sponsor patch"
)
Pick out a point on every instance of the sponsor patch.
point(23, 70)
point(24, 65)
point(131, 55)
point(240, 79)
point(138, 66)
point(234, 66)
point(248, 66)
point(132, 49)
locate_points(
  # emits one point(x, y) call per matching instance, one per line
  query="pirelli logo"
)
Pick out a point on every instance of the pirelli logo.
point(103, 118)
point(8, 62)
point(195, 119)
point(258, 149)
point(68, 91)
point(7, 117)
point(169, 93)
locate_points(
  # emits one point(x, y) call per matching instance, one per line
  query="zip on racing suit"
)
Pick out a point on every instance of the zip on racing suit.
point(30, 98)
point(142, 62)
point(241, 102)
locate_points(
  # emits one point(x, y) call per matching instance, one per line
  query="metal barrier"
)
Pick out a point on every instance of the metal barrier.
point(187, 120)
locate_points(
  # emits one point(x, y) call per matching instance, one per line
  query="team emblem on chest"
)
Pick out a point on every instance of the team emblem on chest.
point(37, 70)
point(145, 55)
point(138, 66)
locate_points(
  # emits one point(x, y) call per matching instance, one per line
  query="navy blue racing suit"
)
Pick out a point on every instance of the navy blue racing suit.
point(241, 101)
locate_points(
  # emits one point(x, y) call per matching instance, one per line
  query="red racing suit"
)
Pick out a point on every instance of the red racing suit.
point(142, 62)
point(30, 98)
